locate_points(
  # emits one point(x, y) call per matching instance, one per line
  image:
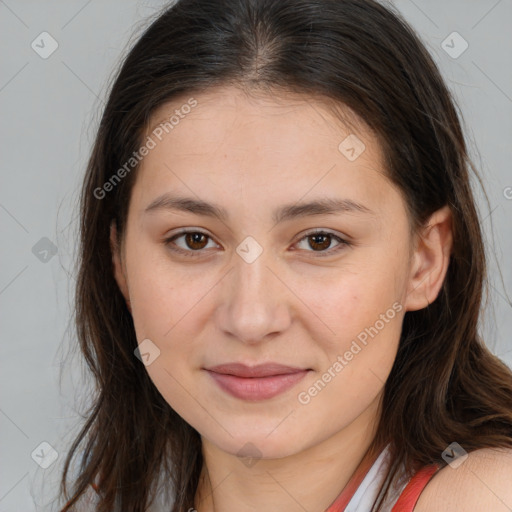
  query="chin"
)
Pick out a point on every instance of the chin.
point(247, 443)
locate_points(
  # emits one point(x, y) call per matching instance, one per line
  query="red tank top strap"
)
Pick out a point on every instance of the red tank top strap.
point(413, 489)
point(407, 499)
point(353, 484)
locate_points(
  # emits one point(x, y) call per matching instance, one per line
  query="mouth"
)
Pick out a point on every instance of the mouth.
point(255, 383)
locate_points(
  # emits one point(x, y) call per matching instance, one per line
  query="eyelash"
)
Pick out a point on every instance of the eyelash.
point(197, 253)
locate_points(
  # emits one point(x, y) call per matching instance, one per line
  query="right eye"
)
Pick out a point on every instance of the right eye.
point(193, 242)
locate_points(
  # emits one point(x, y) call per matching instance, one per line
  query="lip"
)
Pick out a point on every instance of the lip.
point(260, 382)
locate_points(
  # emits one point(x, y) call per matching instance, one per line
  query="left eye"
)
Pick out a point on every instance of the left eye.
point(195, 241)
point(320, 241)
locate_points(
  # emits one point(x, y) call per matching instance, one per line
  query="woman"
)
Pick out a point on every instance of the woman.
point(281, 274)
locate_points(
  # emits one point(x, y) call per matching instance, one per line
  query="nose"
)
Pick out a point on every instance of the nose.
point(255, 304)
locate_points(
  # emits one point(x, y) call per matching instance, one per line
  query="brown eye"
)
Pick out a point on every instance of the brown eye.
point(320, 242)
point(189, 243)
point(196, 240)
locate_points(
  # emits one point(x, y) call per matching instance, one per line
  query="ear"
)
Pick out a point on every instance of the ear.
point(119, 272)
point(430, 260)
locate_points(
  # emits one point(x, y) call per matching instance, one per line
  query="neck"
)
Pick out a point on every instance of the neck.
point(309, 480)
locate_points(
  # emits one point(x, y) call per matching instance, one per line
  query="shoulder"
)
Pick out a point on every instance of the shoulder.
point(482, 482)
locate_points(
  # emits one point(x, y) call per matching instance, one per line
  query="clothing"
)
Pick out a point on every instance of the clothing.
point(361, 491)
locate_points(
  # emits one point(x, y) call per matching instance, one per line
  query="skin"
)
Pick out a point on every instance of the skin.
point(481, 483)
point(250, 155)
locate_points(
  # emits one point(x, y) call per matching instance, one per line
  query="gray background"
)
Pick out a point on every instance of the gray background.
point(50, 108)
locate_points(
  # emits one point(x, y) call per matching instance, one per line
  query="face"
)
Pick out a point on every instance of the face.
point(300, 257)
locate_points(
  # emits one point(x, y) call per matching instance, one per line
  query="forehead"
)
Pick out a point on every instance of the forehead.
point(278, 118)
point(261, 145)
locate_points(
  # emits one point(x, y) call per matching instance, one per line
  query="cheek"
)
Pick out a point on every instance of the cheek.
point(364, 316)
point(164, 297)
point(361, 313)
point(168, 309)
point(351, 300)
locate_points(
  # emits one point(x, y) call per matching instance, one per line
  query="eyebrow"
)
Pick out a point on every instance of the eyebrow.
point(321, 206)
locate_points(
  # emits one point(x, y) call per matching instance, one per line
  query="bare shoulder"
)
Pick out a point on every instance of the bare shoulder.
point(482, 482)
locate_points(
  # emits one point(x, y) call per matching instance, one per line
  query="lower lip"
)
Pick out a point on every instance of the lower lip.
point(257, 388)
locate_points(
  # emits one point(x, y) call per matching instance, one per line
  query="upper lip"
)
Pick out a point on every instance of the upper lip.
point(260, 370)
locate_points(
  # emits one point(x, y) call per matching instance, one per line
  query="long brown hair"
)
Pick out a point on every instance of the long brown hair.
point(445, 385)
